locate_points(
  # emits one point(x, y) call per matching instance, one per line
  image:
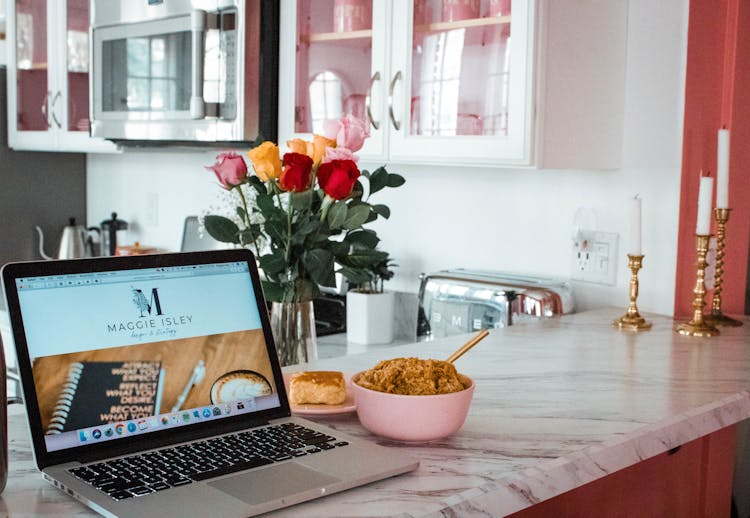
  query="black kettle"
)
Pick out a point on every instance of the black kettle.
point(110, 228)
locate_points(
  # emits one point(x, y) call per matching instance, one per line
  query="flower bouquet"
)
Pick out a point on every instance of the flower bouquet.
point(303, 215)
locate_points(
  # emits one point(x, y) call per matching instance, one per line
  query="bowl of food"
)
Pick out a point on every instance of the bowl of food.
point(412, 400)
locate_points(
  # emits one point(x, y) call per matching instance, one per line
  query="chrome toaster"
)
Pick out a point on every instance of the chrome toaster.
point(460, 301)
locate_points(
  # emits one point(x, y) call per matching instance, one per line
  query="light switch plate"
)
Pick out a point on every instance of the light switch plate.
point(594, 257)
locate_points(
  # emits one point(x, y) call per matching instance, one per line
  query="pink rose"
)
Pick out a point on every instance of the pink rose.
point(230, 169)
point(339, 153)
point(349, 132)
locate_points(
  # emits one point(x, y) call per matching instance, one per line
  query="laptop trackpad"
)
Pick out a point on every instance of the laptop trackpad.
point(272, 483)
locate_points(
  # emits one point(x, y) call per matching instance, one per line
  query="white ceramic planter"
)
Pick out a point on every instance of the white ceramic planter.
point(369, 317)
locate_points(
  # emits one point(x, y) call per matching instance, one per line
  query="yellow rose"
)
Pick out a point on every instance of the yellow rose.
point(266, 161)
point(318, 148)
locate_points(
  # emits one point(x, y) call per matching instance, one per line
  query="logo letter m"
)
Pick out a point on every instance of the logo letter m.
point(147, 306)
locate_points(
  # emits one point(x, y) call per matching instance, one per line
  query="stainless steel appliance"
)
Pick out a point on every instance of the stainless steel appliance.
point(76, 242)
point(113, 232)
point(460, 301)
point(184, 71)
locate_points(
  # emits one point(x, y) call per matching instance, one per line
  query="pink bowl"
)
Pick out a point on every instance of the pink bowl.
point(412, 418)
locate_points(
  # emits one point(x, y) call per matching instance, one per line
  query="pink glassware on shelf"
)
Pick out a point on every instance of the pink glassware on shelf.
point(469, 124)
point(455, 10)
point(352, 15)
point(355, 105)
point(422, 14)
point(499, 8)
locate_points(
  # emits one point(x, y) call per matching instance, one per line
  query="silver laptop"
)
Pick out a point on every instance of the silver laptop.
point(152, 384)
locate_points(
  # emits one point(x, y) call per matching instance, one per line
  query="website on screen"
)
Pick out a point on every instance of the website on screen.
point(115, 354)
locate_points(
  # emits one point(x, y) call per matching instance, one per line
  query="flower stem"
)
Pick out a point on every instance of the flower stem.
point(288, 227)
point(247, 220)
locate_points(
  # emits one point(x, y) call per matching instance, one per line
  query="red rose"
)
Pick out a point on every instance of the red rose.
point(337, 178)
point(230, 169)
point(295, 174)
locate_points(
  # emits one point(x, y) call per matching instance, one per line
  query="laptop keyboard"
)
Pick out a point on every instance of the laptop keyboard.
point(146, 473)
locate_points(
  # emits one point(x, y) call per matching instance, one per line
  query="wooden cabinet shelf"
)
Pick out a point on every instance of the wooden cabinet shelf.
point(337, 36)
point(462, 24)
point(430, 27)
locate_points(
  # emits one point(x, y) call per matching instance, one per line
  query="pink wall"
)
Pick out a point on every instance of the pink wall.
point(717, 60)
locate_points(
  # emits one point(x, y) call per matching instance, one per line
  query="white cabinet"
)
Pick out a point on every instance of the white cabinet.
point(441, 81)
point(48, 64)
point(460, 82)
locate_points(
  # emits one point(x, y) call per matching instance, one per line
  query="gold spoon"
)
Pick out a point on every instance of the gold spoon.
point(468, 345)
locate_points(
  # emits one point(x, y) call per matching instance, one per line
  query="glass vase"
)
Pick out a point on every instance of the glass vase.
point(293, 326)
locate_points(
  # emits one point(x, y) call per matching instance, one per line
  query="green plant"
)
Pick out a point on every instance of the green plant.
point(305, 214)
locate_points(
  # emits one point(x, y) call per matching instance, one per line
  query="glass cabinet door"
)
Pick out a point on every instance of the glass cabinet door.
point(33, 96)
point(339, 56)
point(77, 64)
point(463, 78)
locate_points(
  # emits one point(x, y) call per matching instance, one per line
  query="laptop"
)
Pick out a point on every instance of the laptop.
point(152, 383)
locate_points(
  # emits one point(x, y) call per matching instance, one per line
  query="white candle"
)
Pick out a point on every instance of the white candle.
point(722, 170)
point(635, 228)
point(703, 226)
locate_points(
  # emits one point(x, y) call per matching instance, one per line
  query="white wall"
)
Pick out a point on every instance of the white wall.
point(513, 220)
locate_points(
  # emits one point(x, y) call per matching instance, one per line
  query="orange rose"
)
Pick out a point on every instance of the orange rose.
point(319, 146)
point(297, 146)
point(315, 149)
point(266, 161)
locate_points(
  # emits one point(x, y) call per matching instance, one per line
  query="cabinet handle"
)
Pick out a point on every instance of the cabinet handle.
point(45, 103)
point(198, 32)
point(54, 103)
point(368, 100)
point(396, 124)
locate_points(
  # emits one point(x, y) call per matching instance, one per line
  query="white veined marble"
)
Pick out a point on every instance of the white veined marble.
point(557, 405)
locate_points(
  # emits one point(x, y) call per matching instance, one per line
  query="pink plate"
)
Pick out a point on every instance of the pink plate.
point(344, 408)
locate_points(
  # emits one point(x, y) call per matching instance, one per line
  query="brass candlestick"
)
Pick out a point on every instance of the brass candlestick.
point(698, 326)
point(632, 320)
point(716, 317)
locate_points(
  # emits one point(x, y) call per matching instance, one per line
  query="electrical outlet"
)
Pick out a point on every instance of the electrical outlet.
point(594, 257)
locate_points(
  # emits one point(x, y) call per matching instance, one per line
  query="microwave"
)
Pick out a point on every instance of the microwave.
point(184, 71)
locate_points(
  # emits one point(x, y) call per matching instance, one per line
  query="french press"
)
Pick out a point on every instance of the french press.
point(113, 230)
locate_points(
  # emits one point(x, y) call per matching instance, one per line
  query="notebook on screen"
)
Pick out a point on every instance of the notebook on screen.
point(152, 383)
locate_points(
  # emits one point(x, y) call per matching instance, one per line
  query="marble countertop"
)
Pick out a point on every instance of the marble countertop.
point(557, 405)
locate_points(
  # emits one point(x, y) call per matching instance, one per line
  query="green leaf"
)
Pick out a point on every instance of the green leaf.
point(265, 204)
point(222, 229)
point(302, 200)
point(356, 216)
point(241, 213)
point(257, 184)
point(382, 210)
point(395, 180)
point(307, 227)
point(319, 264)
point(276, 230)
point(363, 257)
point(378, 180)
point(273, 291)
point(357, 191)
point(273, 263)
point(364, 238)
point(339, 248)
point(337, 215)
point(355, 275)
point(247, 236)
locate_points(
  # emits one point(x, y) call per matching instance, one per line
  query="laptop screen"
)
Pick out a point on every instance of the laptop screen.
point(115, 354)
